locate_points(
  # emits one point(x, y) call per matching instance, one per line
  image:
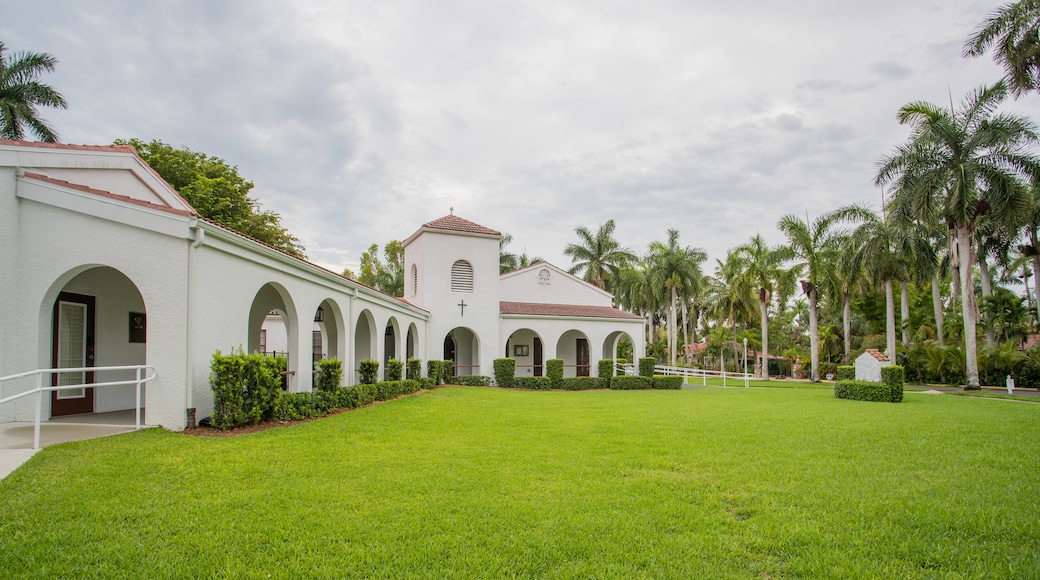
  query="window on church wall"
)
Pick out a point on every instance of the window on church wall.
point(415, 280)
point(462, 276)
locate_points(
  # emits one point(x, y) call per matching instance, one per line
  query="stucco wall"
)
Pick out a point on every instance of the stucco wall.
point(547, 284)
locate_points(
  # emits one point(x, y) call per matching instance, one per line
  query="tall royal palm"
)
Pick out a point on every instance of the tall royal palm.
point(958, 166)
point(762, 266)
point(677, 269)
point(599, 256)
point(1012, 33)
point(21, 93)
point(814, 245)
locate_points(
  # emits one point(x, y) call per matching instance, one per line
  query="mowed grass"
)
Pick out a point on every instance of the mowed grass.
point(490, 483)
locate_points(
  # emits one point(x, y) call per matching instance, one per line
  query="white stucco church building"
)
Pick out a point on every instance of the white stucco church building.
point(103, 265)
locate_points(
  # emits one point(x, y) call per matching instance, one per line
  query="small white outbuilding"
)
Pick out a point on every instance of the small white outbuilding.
point(868, 365)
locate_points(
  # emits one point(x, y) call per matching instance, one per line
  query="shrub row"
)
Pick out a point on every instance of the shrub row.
point(297, 406)
point(890, 389)
point(845, 373)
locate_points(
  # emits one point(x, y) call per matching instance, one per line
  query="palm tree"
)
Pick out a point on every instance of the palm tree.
point(677, 269)
point(813, 244)
point(599, 255)
point(732, 297)
point(507, 261)
point(21, 93)
point(636, 292)
point(1012, 32)
point(957, 166)
point(763, 269)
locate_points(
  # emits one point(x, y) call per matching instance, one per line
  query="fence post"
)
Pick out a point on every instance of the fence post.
point(137, 403)
point(39, 410)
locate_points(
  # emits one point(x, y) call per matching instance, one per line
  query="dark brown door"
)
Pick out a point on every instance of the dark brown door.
point(537, 357)
point(73, 347)
point(583, 357)
point(449, 348)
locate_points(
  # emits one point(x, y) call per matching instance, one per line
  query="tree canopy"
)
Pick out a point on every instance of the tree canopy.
point(216, 191)
point(386, 275)
point(21, 93)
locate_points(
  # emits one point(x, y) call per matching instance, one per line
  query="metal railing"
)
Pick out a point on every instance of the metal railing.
point(690, 373)
point(43, 380)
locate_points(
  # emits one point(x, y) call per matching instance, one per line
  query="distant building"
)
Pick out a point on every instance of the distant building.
point(868, 365)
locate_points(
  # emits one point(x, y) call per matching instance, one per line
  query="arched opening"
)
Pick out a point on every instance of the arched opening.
point(525, 345)
point(326, 331)
point(94, 317)
point(463, 346)
point(413, 338)
point(273, 327)
point(618, 344)
point(389, 344)
point(573, 348)
point(364, 339)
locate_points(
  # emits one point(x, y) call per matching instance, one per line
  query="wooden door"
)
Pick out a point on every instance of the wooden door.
point(73, 347)
point(583, 357)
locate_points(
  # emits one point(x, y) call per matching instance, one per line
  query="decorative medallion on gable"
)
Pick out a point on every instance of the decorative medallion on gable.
point(544, 277)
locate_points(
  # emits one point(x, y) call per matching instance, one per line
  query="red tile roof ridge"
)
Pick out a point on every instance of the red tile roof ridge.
point(71, 147)
point(877, 354)
point(108, 194)
point(454, 223)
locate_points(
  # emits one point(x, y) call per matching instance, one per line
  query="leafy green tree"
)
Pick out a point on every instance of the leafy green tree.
point(598, 255)
point(957, 166)
point(1011, 31)
point(676, 269)
point(508, 261)
point(216, 191)
point(386, 275)
point(21, 93)
point(762, 268)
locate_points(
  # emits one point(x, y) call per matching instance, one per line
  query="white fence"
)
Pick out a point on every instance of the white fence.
point(692, 375)
point(142, 374)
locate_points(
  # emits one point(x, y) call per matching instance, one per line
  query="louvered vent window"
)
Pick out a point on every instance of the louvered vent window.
point(415, 280)
point(462, 276)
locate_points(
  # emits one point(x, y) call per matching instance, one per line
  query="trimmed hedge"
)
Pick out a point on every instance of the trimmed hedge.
point(646, 366)
point(505, 371)
point(668, 383)
point(329, 375)
point(846, 373)
point(892, 376)
point(245, 388)
point(368, 369)
point(394, 369)
point(447, 371)
point(581, 383)
point(433, 371)
point(554, 370)
point(533, 383)
point(631, 383)
point(413, 369)
point(863, 391)
point(471, 381)
point(606, 372)
point(426, 383)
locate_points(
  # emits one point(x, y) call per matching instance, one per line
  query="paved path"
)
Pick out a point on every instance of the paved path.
point(16, 439)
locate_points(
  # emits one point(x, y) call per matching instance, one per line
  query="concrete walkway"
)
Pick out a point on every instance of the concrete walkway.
point(16, 439)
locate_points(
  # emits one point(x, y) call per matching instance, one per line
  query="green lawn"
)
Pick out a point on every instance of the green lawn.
point(490, 483)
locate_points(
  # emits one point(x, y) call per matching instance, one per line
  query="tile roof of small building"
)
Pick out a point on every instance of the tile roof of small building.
point(876, 354)
point(571, 310)
point(108, 194)
point(454, 223)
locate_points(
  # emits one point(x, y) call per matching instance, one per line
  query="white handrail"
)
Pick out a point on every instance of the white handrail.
point(42, 387)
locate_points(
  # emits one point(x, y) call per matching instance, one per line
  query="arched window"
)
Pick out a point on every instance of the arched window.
point(461, 276)
point(415, 280)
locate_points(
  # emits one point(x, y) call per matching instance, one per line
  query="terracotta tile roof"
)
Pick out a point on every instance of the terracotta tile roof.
point(535, 309)
point(876, 354)
point(117, 148)
point(107, 194)
point(454, 223)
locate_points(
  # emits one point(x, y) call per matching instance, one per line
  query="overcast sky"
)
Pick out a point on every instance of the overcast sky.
point(359, 121)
